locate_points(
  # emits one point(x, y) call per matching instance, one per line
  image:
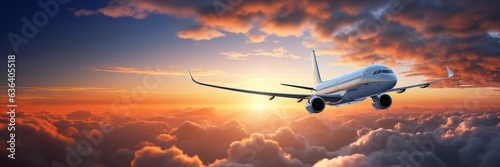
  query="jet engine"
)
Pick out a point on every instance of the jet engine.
point(383, 101)
point(315, 105)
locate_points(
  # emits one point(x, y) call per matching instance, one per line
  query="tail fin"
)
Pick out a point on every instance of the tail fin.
point(315, 69)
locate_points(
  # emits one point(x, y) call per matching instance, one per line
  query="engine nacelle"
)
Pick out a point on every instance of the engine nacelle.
point(383, 101)
point(315, 105)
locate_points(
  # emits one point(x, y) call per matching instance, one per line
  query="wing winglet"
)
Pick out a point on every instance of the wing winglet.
point(450, 73)
point(190, 75)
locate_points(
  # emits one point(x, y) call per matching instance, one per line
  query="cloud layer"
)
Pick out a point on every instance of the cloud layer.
point(186, 138)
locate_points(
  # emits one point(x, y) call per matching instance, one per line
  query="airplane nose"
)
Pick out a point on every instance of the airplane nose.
point(393, 79)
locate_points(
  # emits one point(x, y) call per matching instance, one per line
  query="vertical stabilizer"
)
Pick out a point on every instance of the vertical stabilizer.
point(315, 69)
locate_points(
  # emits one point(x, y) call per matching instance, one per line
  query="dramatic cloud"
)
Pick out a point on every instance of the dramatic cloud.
point(257, 151)
point(396, 43)
point(427, 34)
point(448, 139)
point(298, 146)
point(319, 133)
point(211, 142)
point(38, 142)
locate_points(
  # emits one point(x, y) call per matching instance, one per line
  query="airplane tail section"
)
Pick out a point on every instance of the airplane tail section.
point(315, 69)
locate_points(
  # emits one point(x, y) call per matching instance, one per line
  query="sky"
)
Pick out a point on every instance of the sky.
point(80, 64)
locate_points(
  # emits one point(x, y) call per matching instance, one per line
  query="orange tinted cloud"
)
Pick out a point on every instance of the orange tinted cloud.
point(256, 38)
point(471, 58)
point(199, 33)
point(210, 142)
point(257, 151)
point(279, 52)
point(350, 160)
point(153, 156)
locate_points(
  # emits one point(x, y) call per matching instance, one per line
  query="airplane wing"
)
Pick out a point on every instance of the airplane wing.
point(272, 94)
point(422, 85)
point(298, 86)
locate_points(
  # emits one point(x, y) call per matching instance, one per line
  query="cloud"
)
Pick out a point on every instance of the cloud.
point(38, 142)
point(344, 161)
point(256, 38)
point(157, 71)
point(81, 115)
point(210, 142)
point(235, 55)
point(397, 43)
point(199, 33)
point(427, 140)
point(122, 157)
point(298, 146)
point(257, 151)
point(83, 12)
point(319, 133)
point(456, 18)
point(310, 43)
point(279, 52)
point(155, 156)
point(166, 140)
point(69, 89)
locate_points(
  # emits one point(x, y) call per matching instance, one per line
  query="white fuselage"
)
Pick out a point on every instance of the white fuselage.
point(358, 85)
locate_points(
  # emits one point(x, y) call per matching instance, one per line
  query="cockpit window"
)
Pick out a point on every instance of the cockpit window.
point(382, 71)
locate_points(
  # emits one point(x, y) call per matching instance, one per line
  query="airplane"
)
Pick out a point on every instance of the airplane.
point(373, 81)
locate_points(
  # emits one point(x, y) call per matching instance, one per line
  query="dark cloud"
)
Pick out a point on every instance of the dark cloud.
point(38, 143)
point(257, 151)
point(82, 115)
point(298, 147)
point(446, 139)
point(210, 142)
point(396, 43)
point(319, 133)
point(122, 158)
point(456, 18)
